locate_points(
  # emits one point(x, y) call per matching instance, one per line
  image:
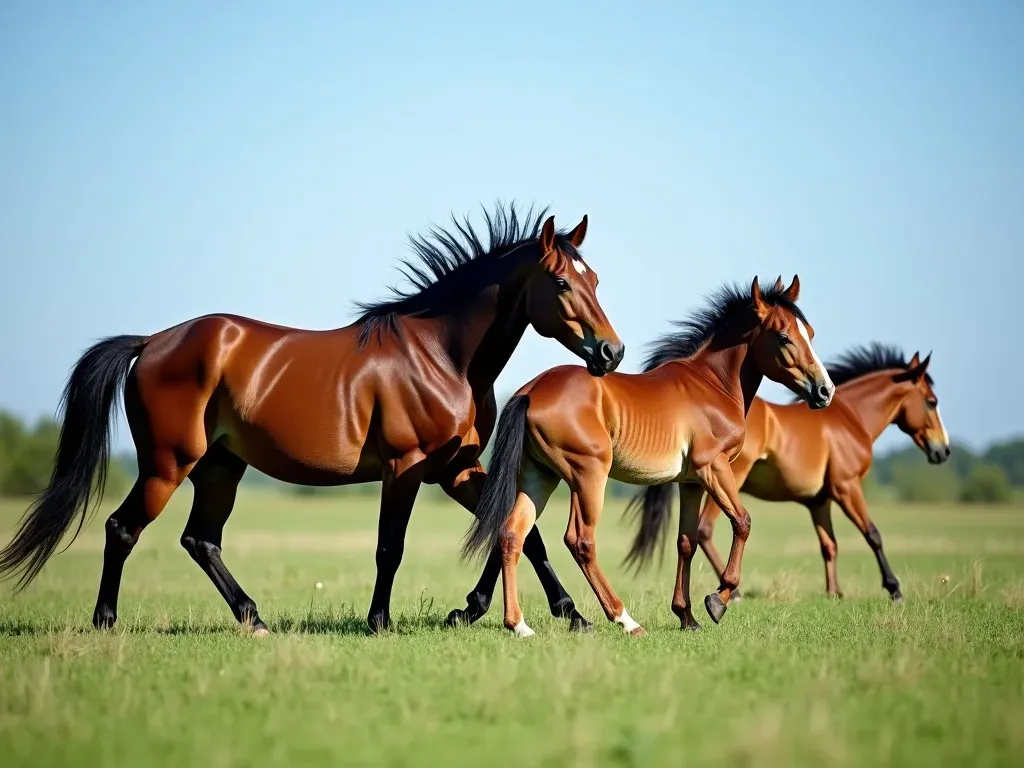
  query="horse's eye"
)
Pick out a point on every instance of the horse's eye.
point(784, 340)
point(562, 284)
point(932, 404)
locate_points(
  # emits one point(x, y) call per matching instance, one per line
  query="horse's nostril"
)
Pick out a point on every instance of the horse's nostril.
point(605, 351)
point(823, 392)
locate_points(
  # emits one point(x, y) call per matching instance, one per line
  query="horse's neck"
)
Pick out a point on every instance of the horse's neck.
point(482, 336)
point(875, 399)
point(733, 369)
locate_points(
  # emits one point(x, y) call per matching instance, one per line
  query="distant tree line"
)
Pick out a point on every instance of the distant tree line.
point(992, 476)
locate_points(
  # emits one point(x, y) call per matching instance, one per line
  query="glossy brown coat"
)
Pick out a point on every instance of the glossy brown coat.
point(793, 454)
point(404, 395)
point(682, 420)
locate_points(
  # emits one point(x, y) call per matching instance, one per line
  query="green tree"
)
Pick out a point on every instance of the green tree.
point(986, 484)
point(918, 481)
point(1009, 456)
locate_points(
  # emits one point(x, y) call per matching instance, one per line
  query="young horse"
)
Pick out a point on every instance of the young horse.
point(791, 454)
point(682, 420)
point(403, 395)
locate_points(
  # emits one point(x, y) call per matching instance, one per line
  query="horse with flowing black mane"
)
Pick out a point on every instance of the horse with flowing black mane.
point(680, 420)
point(403, 395)
point(792, 454)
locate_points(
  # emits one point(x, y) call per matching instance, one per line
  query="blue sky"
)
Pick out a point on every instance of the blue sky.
point(161, 163)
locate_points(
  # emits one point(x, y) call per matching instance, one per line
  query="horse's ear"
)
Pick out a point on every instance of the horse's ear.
point(576, 236)
point(779, 285)
point(760, 307)
point(547, 235)
point(914, 361)
point(793, 292)
point(914, 372)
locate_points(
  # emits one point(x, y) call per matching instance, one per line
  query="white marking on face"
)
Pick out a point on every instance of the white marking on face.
point(814, 355)
point(579, 266)
point(522, 630)
point(945, 434)
point(626, 621)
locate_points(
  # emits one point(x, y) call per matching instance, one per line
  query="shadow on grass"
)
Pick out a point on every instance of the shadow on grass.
point(344, 622)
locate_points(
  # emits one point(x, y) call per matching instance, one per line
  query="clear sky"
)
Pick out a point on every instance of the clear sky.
point(158, 163)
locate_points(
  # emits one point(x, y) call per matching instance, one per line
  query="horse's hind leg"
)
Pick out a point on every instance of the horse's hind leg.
point(215, 479)
point(478, 601)
point(146, 500)
point(587, 501)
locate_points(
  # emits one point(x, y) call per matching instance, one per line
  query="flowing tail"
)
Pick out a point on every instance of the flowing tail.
point(653, 506)
point(86, 407)
point(502, 486)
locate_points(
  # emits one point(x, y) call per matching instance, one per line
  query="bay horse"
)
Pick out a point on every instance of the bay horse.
point(403, 395)
point(680, 420)
point(792, 454)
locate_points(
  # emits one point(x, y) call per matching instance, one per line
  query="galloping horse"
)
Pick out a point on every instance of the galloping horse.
point(681, 420)
point(790, 454)
point(403, 395)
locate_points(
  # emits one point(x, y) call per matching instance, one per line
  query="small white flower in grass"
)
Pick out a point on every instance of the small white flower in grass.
point(944, 578)
point(319, 585)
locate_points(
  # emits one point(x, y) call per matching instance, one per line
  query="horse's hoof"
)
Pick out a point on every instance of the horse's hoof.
point(378, 622)
point(579, 623)
point(690, 626)
point(456, 618)
point(715, 607)
point(522, 629)
point(897, 598)
point(638, 632)
point(104, 618)
point(261, 632)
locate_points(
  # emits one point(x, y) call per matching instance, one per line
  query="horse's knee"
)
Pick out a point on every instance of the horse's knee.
point(705, 531)
point(120, 540)
point(741, 525)
point(581, 547)
point(686, 547)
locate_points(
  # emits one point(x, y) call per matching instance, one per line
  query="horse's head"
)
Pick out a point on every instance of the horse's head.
point(561, 301)
point(781, 345)
point(919, 411)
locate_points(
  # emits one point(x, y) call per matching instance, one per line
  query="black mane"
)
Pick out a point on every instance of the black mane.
point(871, 358)
point(725, 306)
point(450, 265)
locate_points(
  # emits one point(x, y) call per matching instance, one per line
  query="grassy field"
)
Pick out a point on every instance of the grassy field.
point(789, 676)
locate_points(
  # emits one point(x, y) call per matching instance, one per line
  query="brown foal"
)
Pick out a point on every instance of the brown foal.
point(681, 420)
point(792, 454)
point(404, 395)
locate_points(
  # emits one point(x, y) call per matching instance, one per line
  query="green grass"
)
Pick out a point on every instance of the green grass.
point(788, 677)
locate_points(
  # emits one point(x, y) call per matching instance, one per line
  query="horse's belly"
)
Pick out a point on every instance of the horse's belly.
point(770, 482)
point(644, 470)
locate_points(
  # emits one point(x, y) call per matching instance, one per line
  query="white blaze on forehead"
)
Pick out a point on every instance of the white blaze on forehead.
point(626, 621)
point(945, 434)
point(579, 266)
point(814, 355)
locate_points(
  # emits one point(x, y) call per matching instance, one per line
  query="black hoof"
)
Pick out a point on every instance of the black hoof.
point(897, 598)
point(104, 618)
point(580, 623)
point(455, 618)
point(715, 607)
point(378, 622)
point(690, 626)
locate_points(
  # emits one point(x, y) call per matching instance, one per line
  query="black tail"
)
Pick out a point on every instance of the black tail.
point(499, 494)
point(653, 505)
point(86, 408)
